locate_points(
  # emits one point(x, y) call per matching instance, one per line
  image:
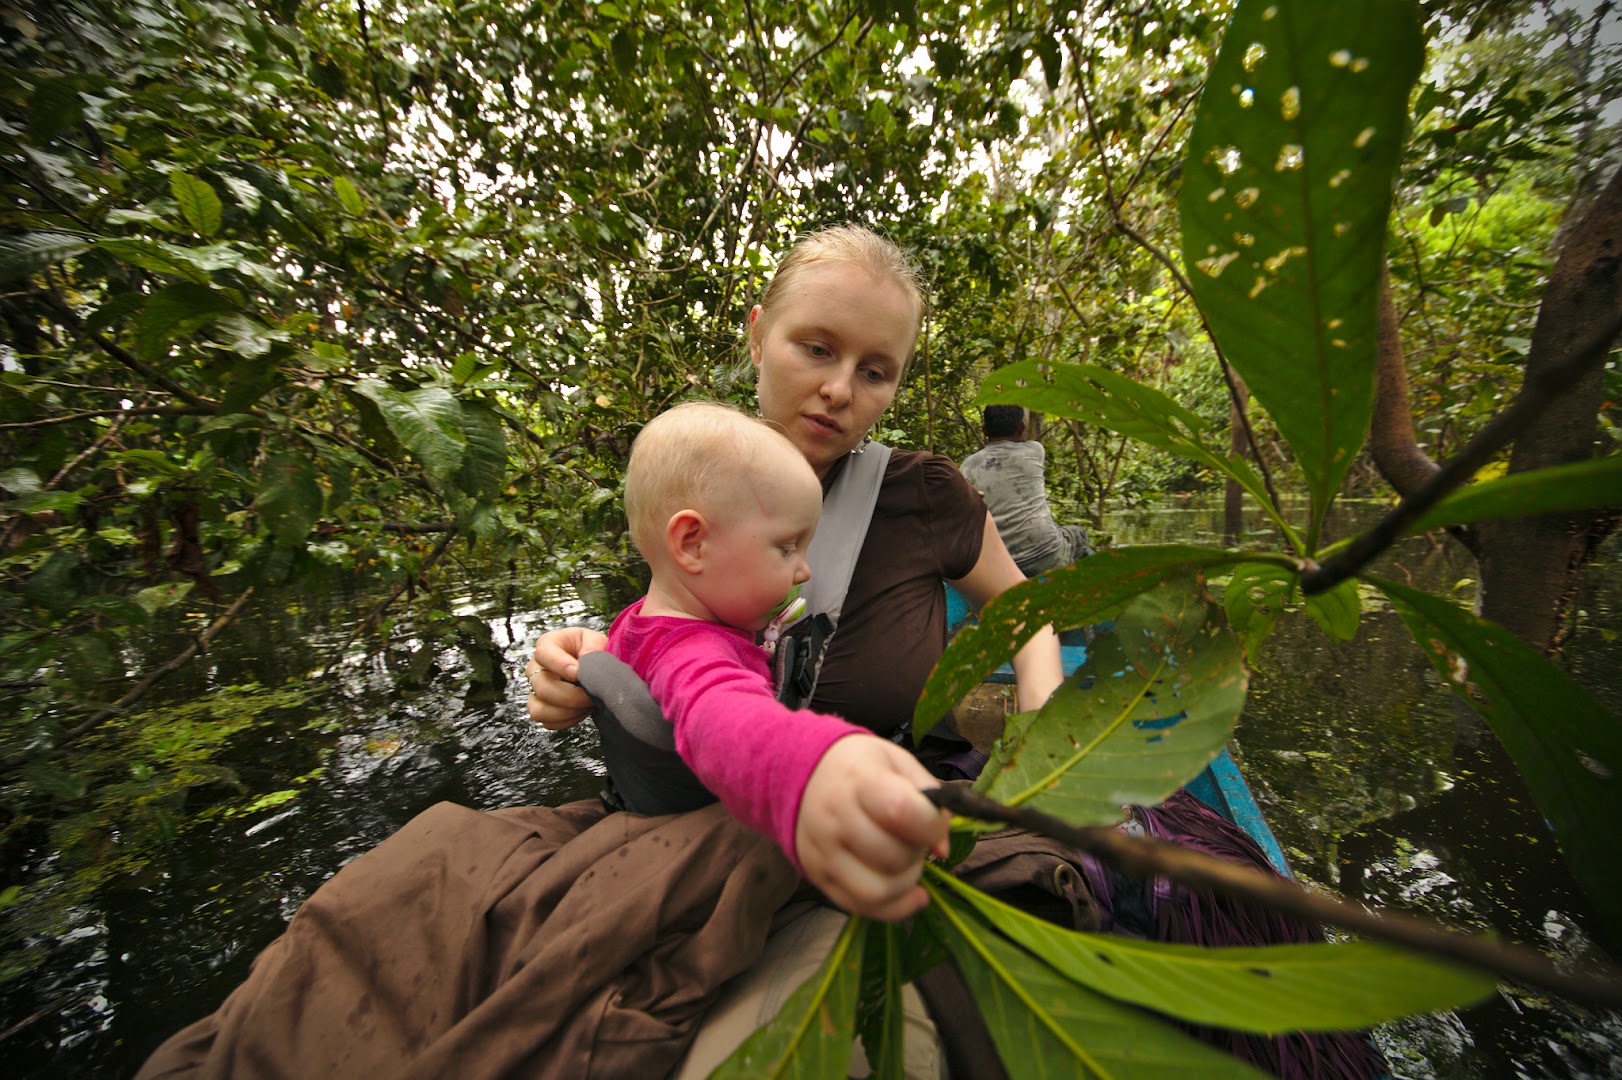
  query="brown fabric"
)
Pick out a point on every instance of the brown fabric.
point(928, 525)
point(532, 942)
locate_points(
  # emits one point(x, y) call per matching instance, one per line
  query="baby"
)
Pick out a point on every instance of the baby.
point(723, 507)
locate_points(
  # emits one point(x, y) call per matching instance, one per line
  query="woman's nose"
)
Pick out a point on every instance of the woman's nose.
point(836, 386)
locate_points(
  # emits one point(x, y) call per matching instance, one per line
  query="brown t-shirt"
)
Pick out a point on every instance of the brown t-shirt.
point(928, 525)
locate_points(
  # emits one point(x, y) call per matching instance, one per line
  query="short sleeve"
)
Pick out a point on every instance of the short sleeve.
point(957, 515)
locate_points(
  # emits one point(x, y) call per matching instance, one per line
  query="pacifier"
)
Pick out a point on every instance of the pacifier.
point(790, 609)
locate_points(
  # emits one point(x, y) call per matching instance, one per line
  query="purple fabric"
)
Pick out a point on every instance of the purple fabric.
point(1202, 918)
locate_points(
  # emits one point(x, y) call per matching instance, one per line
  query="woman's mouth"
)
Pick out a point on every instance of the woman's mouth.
point(823, 424)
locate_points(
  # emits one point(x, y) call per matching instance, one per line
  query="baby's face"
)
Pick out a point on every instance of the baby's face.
point(759, 541)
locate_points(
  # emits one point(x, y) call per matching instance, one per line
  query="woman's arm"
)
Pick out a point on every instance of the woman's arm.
point(1037, 670)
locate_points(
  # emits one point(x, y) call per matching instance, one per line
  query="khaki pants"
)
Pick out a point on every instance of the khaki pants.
point(791, 956)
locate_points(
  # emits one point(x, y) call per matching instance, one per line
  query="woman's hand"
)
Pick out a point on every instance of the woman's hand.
point(555, 701)
point(864, 827)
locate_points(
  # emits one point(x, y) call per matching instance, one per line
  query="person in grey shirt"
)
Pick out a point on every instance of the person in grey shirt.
point(1010, 473)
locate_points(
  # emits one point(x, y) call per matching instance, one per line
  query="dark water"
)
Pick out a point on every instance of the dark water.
point(1372, 780)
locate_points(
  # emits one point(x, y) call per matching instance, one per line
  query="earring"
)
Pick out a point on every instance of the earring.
point(862, 446)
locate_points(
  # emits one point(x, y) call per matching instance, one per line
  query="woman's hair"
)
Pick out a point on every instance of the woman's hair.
point(694, 456)
point(849, 244)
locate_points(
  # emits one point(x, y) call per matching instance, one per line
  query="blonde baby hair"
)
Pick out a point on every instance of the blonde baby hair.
point(693, 456)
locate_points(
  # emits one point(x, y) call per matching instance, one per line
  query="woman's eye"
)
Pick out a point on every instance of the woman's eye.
point(876, 375)
point(817, 350)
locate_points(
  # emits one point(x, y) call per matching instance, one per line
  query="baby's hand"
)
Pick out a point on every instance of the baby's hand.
point(555, 701)
point(864, 828)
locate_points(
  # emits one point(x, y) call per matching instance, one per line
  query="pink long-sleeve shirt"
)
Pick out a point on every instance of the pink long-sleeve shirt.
point(715, 685)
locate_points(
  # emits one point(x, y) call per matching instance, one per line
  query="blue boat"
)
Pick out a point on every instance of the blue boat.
point(1220, 785)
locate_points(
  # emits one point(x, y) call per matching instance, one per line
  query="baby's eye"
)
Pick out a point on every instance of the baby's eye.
point(788, 549)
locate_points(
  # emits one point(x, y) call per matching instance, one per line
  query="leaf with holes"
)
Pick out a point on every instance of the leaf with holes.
point(1286, 187)
point(1254, 598)
point(1156, 700)
point(1560, 738)
point(1267, 989)
point(1044, 1025)
point(1090, 590)
point(812, 1033)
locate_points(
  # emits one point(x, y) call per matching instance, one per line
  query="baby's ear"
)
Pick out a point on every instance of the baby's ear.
point(685, 534)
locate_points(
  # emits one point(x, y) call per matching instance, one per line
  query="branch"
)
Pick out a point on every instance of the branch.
point(1144, 857)
point(1541, 388)
point(179, 660)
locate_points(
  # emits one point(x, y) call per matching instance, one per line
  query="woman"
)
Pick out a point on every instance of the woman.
point(830, 342)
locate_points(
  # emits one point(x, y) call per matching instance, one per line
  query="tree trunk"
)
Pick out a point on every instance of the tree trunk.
point(1531, 567)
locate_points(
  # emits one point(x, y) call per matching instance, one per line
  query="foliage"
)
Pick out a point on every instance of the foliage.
point(1287, 183)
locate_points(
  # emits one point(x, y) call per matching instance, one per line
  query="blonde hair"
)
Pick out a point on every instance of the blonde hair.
point(856, 245)
point(693, 456)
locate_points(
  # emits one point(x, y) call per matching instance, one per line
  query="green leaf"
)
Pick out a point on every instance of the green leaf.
point(1267, 989)
point(811, 1036)
point(1046, 1026)
point(198, 202)
point(1286, 187)
point(879, 1015)
point(289, 498)
point(1155, 701)
point(29, 253)
point(155, 598)
point(1090, 590)
point(484, 467)
point(1583, 485)
point(349, 195)
point(427, 421)
point(159, 258)
point(1337, 610)
point(1102, 398)
point(1255, 597)
point(175, 310)
point(1560, 738)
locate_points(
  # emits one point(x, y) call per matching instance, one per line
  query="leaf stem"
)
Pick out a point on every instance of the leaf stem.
point(1144, 857)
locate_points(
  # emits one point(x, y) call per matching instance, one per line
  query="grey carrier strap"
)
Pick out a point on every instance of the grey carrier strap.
point(645, 774)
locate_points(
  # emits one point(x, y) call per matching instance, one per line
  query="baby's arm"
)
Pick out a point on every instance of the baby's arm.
point(841, 802)
point(864, 828)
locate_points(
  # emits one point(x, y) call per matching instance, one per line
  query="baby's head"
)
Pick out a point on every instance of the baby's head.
point(722, 506)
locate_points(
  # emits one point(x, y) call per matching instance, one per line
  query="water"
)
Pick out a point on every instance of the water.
point(1371, 779)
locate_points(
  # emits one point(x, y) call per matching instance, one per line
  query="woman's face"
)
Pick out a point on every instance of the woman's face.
point(829, 356)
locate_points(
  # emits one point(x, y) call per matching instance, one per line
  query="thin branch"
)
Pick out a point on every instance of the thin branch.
point(1540, 389)
point(198, 645)
point(377, 612)
point(1145, 857)
point(90, 414)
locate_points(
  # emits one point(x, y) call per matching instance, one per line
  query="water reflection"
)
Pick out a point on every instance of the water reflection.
point(1371, 778)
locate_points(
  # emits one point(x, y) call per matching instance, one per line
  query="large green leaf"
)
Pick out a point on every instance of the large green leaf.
point(1583, 485)
point(198, 202)
point(1255, 597)
point(174, 310)
point(1560, 738)
point(484, 468)
point(1286, 187)
point(879, 1015)
point(1105, 399)
point(812, 1034)
point(427, 421)
point(1156, 700)
point(1268, 989)
point(1093, 589)
point(289, 498)
point(1046, 1026)
point(21, 256)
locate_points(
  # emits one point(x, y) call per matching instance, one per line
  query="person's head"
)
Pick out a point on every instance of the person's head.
point(723, 508)
point(831, 339)
point(1003, 421)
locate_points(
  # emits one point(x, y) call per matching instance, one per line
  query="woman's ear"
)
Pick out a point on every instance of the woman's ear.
point(685, 534)
point(757, 331)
